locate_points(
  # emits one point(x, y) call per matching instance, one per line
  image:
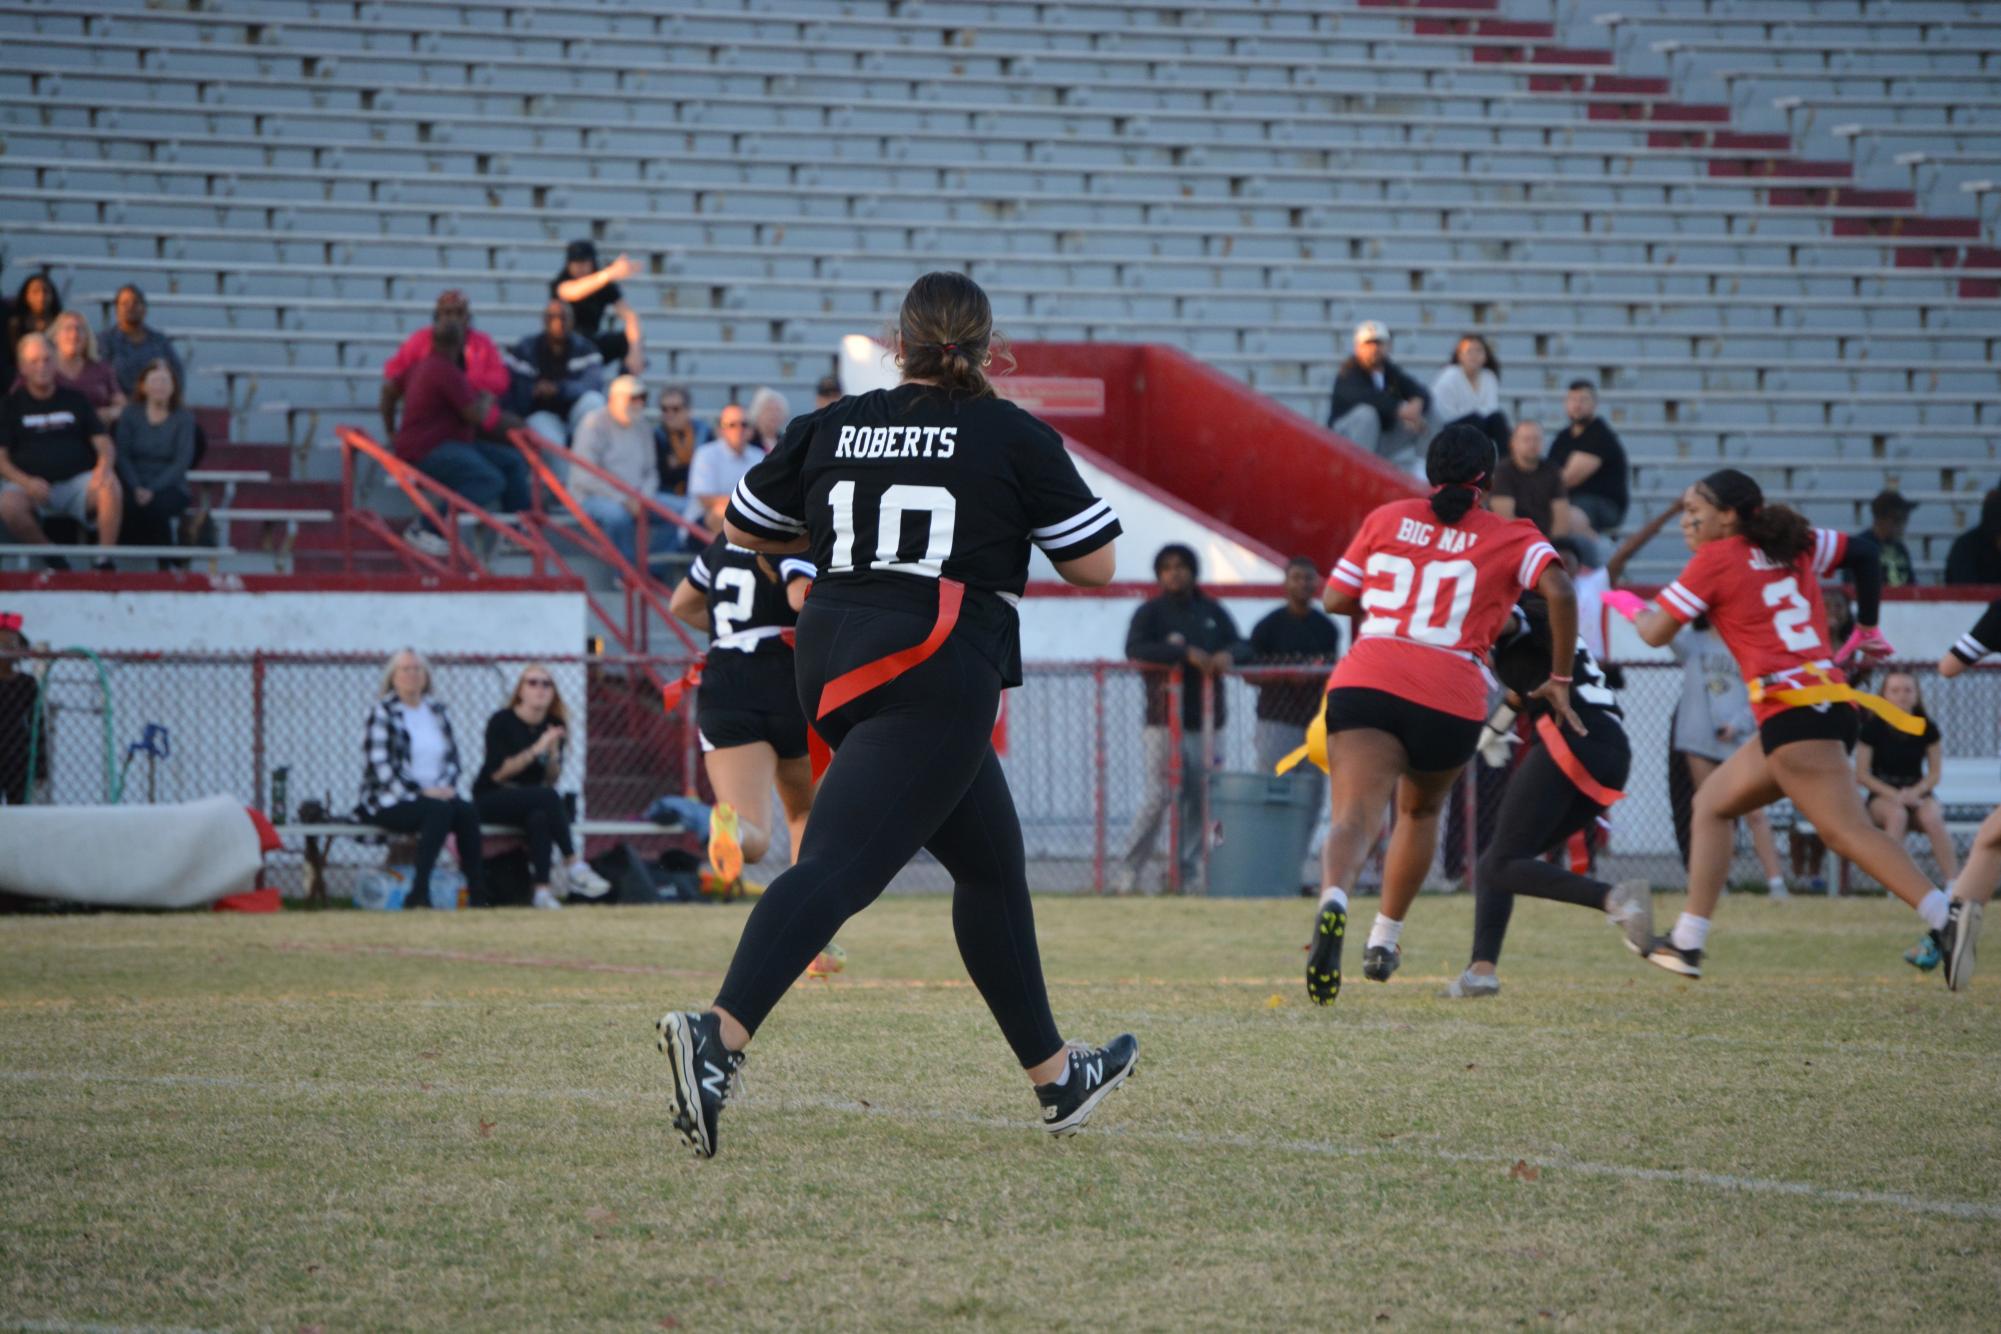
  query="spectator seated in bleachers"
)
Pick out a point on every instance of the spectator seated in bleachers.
point(718, 467)
point(1975, 556)
point(675, 440)
point(450, 431)
point(557, 376)
point(1593, 464)
point(131, 345)
point(1890, 515)
point(827, 392)
point(592, 293)
point(481, 360)
point(616, 437)
point(769, 412)
point(56, 458)
point(1180, 627)
point(1528, 486)
point(1900, 770)
point(1376, 404)
point(33, 310)
point(410, 775)
point(78, 366)
point(1469, 390)
point(517, 785)
point(155, 437)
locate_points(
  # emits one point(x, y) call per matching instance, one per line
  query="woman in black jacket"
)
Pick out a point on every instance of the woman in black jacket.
point(517, 783)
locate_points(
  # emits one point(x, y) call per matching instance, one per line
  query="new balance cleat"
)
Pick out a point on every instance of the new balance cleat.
point(705, 1074)
point(1470, 985)
point(725, 851)
point(1379, 961)
point(1957, 941)
point(1924, 955)
point(1630, 907)
point(1094, 1072)
point(1323, 965)
point(1664, 953)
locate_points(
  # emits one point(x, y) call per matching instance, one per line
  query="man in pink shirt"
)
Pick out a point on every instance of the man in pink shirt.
point(444, 421)
point(480, 361)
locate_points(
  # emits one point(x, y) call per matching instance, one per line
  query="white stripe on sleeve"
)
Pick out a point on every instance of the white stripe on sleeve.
point(794, 568)
point(1682, 602)
point(1536, 552)
point(763, 513)
point(1347, 572)
point(1826, 542)
point(1075, 528)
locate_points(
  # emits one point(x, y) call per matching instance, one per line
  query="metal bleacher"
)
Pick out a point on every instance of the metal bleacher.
point(1767, 229)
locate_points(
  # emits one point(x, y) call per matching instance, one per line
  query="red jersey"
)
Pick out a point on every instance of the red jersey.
point(1436, 596)
point(1768, 615)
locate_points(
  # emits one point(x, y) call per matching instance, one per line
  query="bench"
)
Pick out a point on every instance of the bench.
point(1968, 790)
point(317, 840)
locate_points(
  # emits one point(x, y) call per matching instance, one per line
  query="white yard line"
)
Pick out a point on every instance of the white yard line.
point(1683, 1176)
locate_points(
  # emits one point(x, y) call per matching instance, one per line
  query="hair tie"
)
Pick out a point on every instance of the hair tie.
point(950, 347)
point(1477, 484)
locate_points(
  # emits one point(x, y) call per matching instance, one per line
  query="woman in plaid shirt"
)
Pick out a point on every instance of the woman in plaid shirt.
point(410, 775)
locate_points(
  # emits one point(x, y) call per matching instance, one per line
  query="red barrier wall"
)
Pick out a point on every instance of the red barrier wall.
point(1211, 442)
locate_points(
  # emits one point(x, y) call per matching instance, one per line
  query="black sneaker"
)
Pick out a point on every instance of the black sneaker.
point(704, 1072)
point(1323, 966)
point(1666, 954)
point(1956, 942)
point(1094, 1072)
point(1379, 961)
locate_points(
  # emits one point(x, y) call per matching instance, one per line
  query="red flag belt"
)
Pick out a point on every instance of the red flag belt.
point(1573, 768)
point(852, 685)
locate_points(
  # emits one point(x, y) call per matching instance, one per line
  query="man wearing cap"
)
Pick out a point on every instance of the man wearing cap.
point(481, 362)
point(1891, 514)
point(591, 292)
point(1375, 404)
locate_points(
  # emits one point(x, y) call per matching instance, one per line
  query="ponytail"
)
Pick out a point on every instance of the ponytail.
point(946, 331)
point(1450, 503)
point(1780, 531)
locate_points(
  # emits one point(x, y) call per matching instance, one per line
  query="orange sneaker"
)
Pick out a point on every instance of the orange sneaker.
point(827, 962)
point(725, 853)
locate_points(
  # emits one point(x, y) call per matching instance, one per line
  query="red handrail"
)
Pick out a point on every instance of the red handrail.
point(422, 489)
point(639, 581)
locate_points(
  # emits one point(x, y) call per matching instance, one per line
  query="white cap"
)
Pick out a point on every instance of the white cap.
point(1371, 331)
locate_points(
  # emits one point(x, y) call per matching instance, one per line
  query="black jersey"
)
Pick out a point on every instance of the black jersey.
point(900, 487)
point(1521, 661)
point(748, 608)
point(1984, 638)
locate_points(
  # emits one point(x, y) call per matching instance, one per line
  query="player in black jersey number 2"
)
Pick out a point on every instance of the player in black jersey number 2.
point(918, 505)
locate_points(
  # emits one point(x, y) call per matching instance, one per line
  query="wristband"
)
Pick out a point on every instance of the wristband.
point(1561, 680)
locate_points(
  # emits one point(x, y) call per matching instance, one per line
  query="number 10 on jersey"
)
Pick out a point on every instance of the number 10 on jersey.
point(935, 503)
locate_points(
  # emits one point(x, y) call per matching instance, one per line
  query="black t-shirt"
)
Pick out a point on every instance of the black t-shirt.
point(1597, 438)
point(590, 311)
point(900, 487)
point(1284, 638)
point(506, 737)
point(50, 437)
point(748, 609)
point(1535, 492)
point(1896, 758)
point(1984, 638)
point(1896, 558)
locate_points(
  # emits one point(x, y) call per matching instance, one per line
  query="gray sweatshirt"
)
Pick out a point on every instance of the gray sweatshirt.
point(626, 452)
point(156, 456)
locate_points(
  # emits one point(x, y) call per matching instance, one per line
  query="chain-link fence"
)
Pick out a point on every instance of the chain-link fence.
point(1106, 760)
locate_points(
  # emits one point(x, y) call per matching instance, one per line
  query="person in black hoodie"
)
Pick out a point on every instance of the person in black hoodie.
point(1188, 638)
point(1375, 404)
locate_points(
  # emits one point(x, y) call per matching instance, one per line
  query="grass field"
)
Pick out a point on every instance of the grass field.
point(349, 1121)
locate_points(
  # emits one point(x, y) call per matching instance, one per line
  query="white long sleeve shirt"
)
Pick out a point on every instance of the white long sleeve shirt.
point(1452, 397)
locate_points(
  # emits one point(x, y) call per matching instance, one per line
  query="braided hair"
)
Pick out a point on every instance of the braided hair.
point(1459, 465)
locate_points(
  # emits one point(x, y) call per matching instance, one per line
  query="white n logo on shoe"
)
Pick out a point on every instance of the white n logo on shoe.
point(1094, 1072)
point(714, 1081)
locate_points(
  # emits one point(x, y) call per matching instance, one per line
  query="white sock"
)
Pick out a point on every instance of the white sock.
point(1933, 908)
point(1335, 895)
point(1385, 932)
point(1690, 932)
point(1063, 1078)
point(1777, 884)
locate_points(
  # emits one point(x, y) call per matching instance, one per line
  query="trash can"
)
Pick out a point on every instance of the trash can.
point(1263, 825)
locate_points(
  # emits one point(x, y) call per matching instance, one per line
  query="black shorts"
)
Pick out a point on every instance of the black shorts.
point(1834, 722)
point(1434, 741)
point(746, 699)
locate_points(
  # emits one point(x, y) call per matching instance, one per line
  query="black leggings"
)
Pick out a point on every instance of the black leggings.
point(539, 813)
point(430, 820)
point(1540, 811)
point(914, 767)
